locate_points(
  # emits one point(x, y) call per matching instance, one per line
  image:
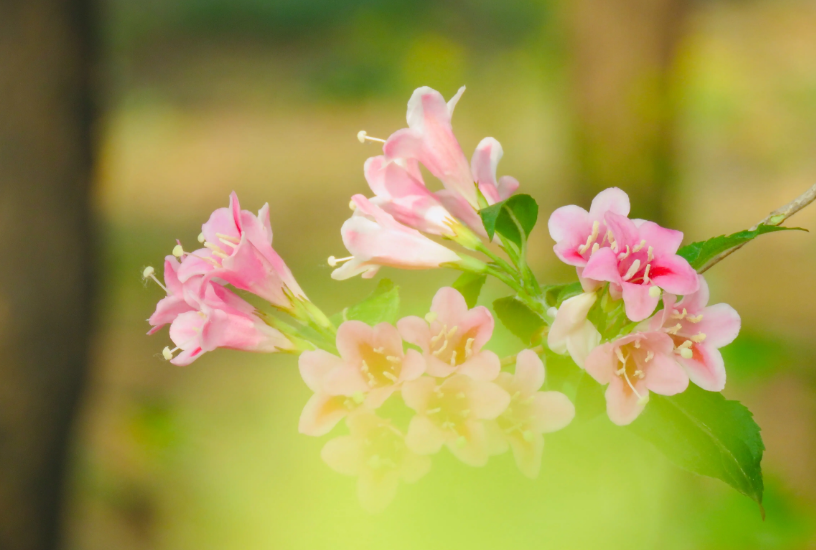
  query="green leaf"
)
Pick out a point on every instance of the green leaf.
point(700, 253)
point(707, 434)
point(470, 285)
point(556, 294)
point(381, 306)
point(519, 318)
point(499, 217)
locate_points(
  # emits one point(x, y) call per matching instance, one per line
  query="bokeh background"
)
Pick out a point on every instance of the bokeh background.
point(705, 112)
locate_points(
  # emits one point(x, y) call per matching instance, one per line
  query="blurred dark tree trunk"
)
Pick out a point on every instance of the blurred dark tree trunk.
point(45, 277)
point(622, 59)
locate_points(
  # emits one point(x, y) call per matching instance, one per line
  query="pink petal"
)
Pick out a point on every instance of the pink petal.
point(602, 266)
point(416, 393)
point(570, 224)
point(706, 367)
point(438, 368)
point(665, 376)
point(344, 455)
point(376, 490)
point(474, 450)
point(167, 310)
point(315, 365)
point(449, 305)
point(321, 413)
point(528, 454)
point(376, 397)
point(350, 335)
point(720, 323)
point(187, 356)
point(529, 370)
point(638, 302)
point(424, 437)
point(171, 280)
point(623, 405)
point(610, 200)
point(552, 411)
point(484, 365)
point(413, 365)
point(345, 380)
point(696, 301)
point(600, 363)
point(415, 330)
point(674, 274)
point(507, 186)
point(664, 241)
point(581, 343)
point(623, 229)
point(483, 165)
point(487, 400)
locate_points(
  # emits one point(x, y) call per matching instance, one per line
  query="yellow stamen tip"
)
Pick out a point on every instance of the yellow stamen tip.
point(201, 238)
point(361, 136)
point(178, 251)
point(655, 292)
point(166, 353)
point(148, 271)
point(686, 353)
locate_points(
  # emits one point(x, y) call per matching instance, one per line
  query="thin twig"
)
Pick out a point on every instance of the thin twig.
point(777, 217)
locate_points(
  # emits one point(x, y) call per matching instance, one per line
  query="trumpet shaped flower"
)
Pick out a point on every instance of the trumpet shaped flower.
point(571, 331)
point(530, 414)
point(451, 337)
point(452, 414)
point(632, 366)
point(698, 331)
point(238, 249)
point(204, 316)
point(376, 239)
point(375, 452)
point(323, 411)
point(371, 366)
point(640, 261)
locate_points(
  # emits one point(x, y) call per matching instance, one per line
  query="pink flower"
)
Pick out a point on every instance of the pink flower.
point(376, 239)
point(483, 164)
point(576, 232)
point(372, 363)
point(238, 249)
point(571, 332)
point(452, 341)
point(698, 332)
point(633, 366)
point(452, 414)
point(323, 411)
point(205, 316)
point(376, 453)
point(639, 262)
point(530, 413)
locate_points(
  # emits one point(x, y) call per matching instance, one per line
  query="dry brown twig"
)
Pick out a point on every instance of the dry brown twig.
point(777, 217)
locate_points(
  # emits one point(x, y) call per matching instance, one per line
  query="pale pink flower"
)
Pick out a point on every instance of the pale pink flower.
point(452, 341)
point(578, 233)
point(634, 365)
point(698, 331)
point(571, 331)
point(375, 452)
point(323, 411)
point(483, 164)
point(376, 239)
point(452, 414)
point(640, 260)
point(205, 316)
point(238, 249)
point(372, 363)
point(530, 413)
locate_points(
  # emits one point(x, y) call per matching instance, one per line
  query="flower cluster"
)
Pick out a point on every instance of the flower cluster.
point(459, 397)
point(638, 322)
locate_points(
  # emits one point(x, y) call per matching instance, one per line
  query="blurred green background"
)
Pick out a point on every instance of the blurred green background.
point(717, 127)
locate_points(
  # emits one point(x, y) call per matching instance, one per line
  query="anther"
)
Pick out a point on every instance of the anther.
point(654, 291)
point(453, 358)
point(675, 328)
point(178, 251)
point(469, 348)
point(362, 136)
point(646, 274)
point(649, 356)
point(624, 255)
point(686, 353)
point(167, 353)
point(439, 336)
point(649, 254)
point(149, 273)
point(640, 246)
point(364, 366)
point(639, 374)
point(201, 238)
point(679, 314)
point(389, 376)
point(392, 359)
point(440, 350)
point(595, 248)
point(699, 337)
point(695, 319)
point(633, 269)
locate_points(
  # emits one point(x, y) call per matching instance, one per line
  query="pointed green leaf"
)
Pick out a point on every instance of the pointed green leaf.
point(519, 319)
point(700, 253)
point(498, 218)
point(556, 294)
point(707, 434)
point(470, 285)
point(381, 306)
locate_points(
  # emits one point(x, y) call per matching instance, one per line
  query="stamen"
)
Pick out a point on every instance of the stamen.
point(380, 350)
point(364, 366)
point(697, 338)
point(646, 274)
point(640, 246)
point(679, 314)
point(453, 358)
point(362, 136)
point(201, 238)
point(650, 254)
point(389, 376)
point(334, 261)
point(649, 356)
point(213, 247)
point(655, 291)
point(469, 348)
point(178, 251)
point(592, 236)
point(633, 269)
point(149, 273)
point(675, 328)
point(451, 332)
point(619, 353)
point(439, 336)
point(440, 350)
point(624, 255)
point(392, 359)
point(352, 206)
point(228, 238)
point(639, 374)
point(686, 353)
point(595, 248)
point(221, 255)
point(167, 353)
point(695, 319)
